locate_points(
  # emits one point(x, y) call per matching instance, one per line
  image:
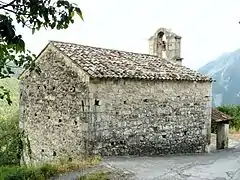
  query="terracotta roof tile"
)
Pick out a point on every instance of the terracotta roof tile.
point(218, 116)
point(108, 63)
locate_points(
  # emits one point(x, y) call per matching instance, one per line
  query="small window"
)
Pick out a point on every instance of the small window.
point(60, 120)
point(145, 100)
point(124, 102)
point(164, 135)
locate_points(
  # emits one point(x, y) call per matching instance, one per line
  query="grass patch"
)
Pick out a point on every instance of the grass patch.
point(45, 171)
point(64, 165)
point(233, 131)
point(96, 176)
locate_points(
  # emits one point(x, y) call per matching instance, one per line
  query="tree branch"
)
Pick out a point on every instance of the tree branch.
point(6, 5)
point(15, 12)
point(8, 10)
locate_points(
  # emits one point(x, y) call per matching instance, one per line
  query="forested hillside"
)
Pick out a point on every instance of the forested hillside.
point(7, 111)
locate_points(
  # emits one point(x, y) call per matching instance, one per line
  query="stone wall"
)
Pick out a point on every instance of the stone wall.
point(149, 118)
point(54, 108)
point(65, 114)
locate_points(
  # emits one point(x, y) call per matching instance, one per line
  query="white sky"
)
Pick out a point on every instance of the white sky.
point(208, 27)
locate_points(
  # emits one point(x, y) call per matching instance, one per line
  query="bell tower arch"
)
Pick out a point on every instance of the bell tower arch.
point(166, 45)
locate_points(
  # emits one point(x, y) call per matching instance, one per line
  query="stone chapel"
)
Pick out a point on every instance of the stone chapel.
point(92, 100)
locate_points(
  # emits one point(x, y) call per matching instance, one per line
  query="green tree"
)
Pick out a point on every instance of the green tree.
point(33, 14)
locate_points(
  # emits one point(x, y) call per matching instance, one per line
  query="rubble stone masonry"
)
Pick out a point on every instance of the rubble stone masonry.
point(66, 114)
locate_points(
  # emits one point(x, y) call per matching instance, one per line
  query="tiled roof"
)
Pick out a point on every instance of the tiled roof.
point(108, 63)
point(218, 116)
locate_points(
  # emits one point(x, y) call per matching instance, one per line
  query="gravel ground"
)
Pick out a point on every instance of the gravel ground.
point(115, 174)
point(224, 165)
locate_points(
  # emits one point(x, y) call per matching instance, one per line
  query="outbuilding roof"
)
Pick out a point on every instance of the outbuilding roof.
point(218, 116)
point(109, 63)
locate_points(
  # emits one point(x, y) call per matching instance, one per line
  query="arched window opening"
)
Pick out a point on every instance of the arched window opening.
point(162, 44)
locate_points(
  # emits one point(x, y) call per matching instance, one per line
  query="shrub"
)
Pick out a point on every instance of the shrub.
point(23, 173)
point(10, 142)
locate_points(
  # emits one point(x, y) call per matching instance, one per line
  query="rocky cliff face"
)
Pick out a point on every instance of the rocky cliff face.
point(225, 70)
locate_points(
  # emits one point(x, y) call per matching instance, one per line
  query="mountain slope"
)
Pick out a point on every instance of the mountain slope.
point(226, 71)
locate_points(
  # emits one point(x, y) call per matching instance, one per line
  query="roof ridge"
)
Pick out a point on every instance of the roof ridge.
point(150, 55)
point(103, 48)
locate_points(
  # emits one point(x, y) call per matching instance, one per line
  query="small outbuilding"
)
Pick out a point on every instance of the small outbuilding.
point(221, 121)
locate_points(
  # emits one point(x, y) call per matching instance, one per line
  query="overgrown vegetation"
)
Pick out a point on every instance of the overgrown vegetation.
point(10, 142)
point(10, 139)
point(24, 173)
point(45, 171)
